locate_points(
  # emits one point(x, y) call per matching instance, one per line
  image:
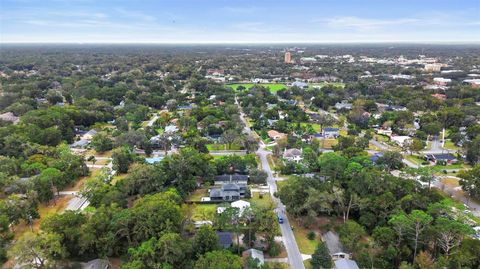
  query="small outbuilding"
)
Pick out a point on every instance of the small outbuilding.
point(345, 264)
point(97, 264)
point(255, 254)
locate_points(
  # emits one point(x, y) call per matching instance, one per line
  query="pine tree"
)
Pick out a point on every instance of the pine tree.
point(321, 257)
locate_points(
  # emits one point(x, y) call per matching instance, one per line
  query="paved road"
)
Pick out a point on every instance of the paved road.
point(458, 194)
point(379, 145)
point(294, 257)
point(436, 147)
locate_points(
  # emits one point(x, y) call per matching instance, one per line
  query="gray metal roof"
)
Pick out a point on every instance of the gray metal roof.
point(346, 264)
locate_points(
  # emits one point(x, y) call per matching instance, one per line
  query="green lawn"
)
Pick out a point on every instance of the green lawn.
point(328, 143)
point(450, 145)
point(265, 201)
point(315, 126)
point(274, 87)
point(414, 159)
point(382, 138)
point(197, 195)
point(439, 168)
point(203, 211)
point(305, 245)
point(307, 264)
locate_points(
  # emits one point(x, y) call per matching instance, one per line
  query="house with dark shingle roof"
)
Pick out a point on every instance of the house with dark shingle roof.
point(447, 158)
point(228, 192)
point(330, 132)
point(235, 178)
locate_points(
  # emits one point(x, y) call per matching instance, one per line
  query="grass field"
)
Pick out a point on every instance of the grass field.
point(273, 87)
point(265, 201)
point(450, 145)
point(381, 138)
point(197, 195)
point(439, 168)
point(305, 245)
point(315, 126)
point(328, 143)
point(44, 210)
point(211, 147)
point(414, 159)
point(203, 211)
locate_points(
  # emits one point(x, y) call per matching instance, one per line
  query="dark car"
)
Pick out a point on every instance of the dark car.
point(280, 219)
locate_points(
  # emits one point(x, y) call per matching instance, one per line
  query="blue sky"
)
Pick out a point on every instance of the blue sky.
point(239, 21)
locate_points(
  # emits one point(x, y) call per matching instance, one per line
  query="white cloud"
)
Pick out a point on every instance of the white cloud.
point(365, 23)
point(135, 15)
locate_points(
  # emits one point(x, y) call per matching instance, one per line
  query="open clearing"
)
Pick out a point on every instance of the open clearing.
point(273, 87)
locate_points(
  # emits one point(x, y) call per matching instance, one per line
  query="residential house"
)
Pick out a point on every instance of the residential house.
point(343, 106)
point(401, 140)
point(475, 83)
point(442, 81)
point(306, 138)
point(275, 134)
point(382, 131)
point(255, 254)
point(80, 144)
point(185, 107)
point(170, 129)
point(228, 192)
point(89, 135)
point(271, 122)
point(446, 158)
point(330, 132)
point(293, 155)
point(235, 178)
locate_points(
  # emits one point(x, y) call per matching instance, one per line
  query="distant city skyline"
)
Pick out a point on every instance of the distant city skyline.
point(215, 21)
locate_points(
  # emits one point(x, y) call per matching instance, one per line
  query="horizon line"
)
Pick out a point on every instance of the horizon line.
point(425, 42)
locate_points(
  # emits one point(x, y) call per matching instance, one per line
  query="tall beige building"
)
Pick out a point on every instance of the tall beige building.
point(288, 57)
